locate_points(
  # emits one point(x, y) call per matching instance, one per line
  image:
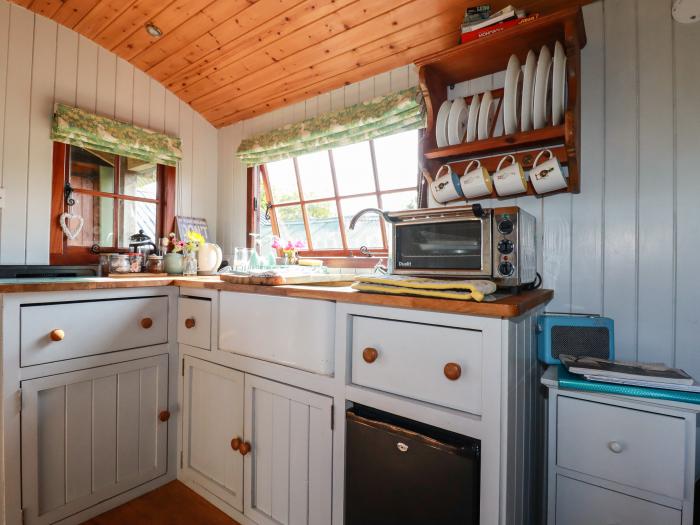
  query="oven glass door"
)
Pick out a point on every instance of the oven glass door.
point(457, 247)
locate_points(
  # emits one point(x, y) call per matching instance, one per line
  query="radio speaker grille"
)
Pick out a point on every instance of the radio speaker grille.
point(589, 341)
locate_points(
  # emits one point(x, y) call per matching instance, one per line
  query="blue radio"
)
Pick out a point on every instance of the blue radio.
point(574, 334)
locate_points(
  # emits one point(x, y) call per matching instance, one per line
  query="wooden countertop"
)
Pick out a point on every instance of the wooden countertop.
point(509, 306)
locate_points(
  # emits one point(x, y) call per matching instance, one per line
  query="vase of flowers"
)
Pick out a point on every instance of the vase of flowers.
point(188, 248)
point(290, 249)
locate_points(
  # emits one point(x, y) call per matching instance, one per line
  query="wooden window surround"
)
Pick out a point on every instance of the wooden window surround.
point(61, 251)
point(259, 188)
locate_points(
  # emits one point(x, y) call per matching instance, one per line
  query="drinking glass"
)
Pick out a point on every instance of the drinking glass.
point(241, 259)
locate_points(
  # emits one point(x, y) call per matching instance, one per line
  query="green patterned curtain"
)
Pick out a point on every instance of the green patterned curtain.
point(401, 111)
point(80, 128)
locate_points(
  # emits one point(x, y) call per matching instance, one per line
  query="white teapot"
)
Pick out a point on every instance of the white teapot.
point(209, 258)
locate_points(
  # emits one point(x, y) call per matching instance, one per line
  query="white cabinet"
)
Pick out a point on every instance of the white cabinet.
point(288, 474)
point(91, 434)
point(194, 321)
point(212, 417)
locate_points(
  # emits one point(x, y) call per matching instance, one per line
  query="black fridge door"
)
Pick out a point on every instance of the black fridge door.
point(399, 472)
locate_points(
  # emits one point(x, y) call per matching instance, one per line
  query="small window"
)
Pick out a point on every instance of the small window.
point(313, 197)
point(115, 197)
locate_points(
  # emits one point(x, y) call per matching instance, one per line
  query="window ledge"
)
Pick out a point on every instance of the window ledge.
point(350, 262)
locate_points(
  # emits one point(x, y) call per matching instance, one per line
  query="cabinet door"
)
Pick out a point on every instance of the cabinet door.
point(212, 417)
point(90, 435)
point(288, 471)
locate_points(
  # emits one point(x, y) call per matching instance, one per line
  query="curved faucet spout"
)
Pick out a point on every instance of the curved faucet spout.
point(360, 213)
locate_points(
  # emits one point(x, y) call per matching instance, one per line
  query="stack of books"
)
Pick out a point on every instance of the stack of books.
point(480, 22)
point(650, 375)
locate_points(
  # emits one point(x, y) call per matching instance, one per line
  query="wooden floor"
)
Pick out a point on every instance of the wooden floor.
point(171, 504)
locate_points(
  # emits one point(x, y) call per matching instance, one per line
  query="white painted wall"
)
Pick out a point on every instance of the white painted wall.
point(627, 246)
point(42, 62)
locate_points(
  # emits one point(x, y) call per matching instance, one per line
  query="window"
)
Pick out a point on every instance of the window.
point(313, 197)
point(115, 197)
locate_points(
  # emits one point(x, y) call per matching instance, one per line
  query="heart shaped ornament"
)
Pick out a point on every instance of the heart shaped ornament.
point(65, 221)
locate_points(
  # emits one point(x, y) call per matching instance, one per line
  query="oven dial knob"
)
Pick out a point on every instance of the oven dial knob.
point(506, 268)
point(505, 246)
point(505, 226)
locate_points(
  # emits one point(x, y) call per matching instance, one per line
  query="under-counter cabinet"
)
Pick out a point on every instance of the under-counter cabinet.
point(88, 391)
point(261, 447)
point(620, 459)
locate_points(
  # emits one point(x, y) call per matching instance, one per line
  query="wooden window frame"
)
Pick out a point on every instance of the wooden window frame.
point(60, 253)
point(335, 257)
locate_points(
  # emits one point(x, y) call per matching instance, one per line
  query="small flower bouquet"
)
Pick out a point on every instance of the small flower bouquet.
point(191, 245)
point(290, 249)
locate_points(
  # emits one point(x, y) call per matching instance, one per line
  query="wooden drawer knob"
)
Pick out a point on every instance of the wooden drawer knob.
point(57, 335)
point(370, 354)
point(452, 371)
point(147, 322)
point(236, 443)
point(244, 448)
point(164, 415)
point(189, 323)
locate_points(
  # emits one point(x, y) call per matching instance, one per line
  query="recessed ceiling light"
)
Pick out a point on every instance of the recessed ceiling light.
point(153, 30)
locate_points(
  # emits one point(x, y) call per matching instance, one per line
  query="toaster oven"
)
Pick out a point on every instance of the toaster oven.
point(465, 242)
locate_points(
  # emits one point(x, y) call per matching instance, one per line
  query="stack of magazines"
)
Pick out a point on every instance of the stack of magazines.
point(651, 375)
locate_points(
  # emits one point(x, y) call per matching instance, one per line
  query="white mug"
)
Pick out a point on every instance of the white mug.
point(509, 180)
point(547, 176)
point(476, 182)
point(446, 186)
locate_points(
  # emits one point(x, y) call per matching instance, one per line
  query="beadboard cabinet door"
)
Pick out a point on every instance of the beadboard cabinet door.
point(212, 418)
point(90, 435)
point(288, 472)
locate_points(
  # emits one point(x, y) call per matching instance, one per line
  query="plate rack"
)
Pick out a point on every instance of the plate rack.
point(439, 71)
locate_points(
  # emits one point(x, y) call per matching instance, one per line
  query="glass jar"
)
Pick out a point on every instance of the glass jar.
point(135, 262)
point(155, 264)
point(190, 266)
point(105, 264)
point(119, 263)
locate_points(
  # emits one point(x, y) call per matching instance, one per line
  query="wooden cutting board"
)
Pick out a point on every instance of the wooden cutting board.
point(278, 280)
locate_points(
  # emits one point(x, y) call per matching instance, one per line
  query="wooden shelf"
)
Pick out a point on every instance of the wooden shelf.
point(440, 71)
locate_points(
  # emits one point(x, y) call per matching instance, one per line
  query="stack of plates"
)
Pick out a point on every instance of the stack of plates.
point(459, 122)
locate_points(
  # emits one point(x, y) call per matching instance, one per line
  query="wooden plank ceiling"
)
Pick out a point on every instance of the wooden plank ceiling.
point(235, 59)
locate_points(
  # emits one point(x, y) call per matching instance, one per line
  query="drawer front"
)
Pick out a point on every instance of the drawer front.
point(294, 332)
point(410, 360)
point(580, 503)
point(194, 322)
point(58, 331)
point(632, 447)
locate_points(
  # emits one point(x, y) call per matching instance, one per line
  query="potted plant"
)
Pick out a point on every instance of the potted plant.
point(182, 257)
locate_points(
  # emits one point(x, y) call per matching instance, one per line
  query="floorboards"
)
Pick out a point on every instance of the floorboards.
point(171, 504)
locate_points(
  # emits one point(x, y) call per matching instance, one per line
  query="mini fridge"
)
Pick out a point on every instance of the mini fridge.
point(402, 472)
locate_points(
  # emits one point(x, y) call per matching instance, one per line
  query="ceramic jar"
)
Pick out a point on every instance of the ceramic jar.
point(174, 263)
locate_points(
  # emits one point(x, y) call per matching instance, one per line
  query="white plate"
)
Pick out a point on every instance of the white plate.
point(528, 91)
point(457, 121)
point(485, 115)
point(473, 118)
point(539, 103)
point(510, 96)
point(441, 124)
point(558, 84)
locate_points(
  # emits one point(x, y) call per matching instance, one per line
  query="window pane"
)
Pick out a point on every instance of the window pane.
point(98, 221)
point(397, 160)
point(135, 216)
point(367, 230)
point(291, 223)
point(353, 169)
point(324, 225)
point(315, 174)
point(138, 178)
point(91, 170)
point(283, 181)
point(402, 200)
point(264, 224)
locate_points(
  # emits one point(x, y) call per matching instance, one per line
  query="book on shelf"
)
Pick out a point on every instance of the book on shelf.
point(602, 369)
point(476, 14)
point(504, 14)
point(502, 26)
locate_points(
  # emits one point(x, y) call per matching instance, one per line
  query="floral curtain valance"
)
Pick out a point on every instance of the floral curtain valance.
point(80, 128)
point(386, 115)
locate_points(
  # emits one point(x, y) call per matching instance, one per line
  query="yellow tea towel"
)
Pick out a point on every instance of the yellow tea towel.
point(406, 285)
